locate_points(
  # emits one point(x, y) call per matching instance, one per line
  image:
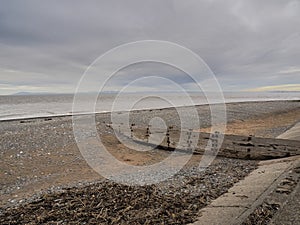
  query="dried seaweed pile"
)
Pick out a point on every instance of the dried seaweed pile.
point(176, 201)
point(108, 203)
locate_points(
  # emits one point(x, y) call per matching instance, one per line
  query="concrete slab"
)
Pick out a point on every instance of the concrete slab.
point(215, 216)
point(291, 134)
point(241, 200)
point(247, 191)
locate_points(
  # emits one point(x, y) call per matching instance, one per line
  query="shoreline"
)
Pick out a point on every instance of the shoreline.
point(141, 110)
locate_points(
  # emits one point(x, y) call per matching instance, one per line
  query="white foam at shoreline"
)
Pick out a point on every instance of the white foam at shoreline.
point(53, 114)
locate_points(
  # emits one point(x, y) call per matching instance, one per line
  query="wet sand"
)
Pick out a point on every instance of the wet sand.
point(269, 124)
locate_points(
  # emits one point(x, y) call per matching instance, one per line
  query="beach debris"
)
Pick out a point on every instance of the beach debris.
point(174, 201)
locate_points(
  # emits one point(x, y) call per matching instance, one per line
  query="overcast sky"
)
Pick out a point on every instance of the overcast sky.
point(45, 46)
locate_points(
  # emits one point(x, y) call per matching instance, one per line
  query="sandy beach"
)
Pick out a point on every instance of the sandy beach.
point(44, 178)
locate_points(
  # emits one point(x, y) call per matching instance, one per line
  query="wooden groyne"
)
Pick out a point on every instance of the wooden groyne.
point(233, 146)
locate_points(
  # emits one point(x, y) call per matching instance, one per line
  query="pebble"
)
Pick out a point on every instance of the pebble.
point(183, 196)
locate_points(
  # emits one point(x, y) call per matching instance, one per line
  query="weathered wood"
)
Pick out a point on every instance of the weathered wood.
point(233, 146)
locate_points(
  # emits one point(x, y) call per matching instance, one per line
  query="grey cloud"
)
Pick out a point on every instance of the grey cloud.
point(246, 43)
point(148, 69)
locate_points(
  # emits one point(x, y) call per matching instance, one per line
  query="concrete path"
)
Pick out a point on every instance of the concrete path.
point(291, 134)
point(244, 197)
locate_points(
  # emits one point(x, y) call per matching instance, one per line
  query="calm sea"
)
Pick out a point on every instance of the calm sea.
point(15, 107)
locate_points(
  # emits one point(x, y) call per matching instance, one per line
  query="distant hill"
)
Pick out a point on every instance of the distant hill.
point(32, 93)
point(284, 91)
point(25, 93)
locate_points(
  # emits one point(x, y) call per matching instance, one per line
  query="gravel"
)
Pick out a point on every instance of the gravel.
point(174, 201)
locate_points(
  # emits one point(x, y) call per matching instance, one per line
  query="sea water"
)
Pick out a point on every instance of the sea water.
point(31, 106)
